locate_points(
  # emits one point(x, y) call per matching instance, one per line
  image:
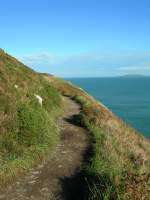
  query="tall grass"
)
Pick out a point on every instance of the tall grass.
point(27, 130)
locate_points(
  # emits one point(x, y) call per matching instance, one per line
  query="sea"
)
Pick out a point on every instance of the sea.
point(127, 97)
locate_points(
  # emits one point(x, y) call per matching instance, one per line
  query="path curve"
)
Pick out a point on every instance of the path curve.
point(59, 178)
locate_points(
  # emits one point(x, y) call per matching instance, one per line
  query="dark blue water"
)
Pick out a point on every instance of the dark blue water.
point(129, 98)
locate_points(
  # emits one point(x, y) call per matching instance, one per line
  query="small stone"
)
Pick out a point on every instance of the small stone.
point(63, 152)
point(45, 189)
point(16, 86)
point(40, 166)
point(32, 177)
point(32, 182)
point(36, 172)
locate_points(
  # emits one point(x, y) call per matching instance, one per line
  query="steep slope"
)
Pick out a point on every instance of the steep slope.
point(120, 165)
point(27, 128)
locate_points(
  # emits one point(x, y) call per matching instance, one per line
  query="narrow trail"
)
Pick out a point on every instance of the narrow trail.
point(59, 178)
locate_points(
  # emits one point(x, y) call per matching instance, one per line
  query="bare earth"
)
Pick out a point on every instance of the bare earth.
point(60, 177)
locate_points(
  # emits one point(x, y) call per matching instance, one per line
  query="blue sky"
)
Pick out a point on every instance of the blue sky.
point(78, 37)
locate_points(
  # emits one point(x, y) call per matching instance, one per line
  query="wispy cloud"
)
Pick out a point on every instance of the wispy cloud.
point(91, 64)
point(43, 58)
point(134, 68)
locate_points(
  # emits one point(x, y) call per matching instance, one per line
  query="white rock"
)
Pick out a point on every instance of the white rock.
point(32, 182)
point(40, 100)
point(35, 172)
point(15, 86)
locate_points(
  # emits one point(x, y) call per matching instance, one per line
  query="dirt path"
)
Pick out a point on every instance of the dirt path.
point(60, 177)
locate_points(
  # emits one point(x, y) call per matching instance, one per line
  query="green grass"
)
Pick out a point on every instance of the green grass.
point(28, 131)
point(105, 176)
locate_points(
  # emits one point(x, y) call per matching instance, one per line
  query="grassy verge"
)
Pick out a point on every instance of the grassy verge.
point(104, 175)
point(120, 165)
point(119, 168)
point(31, 132)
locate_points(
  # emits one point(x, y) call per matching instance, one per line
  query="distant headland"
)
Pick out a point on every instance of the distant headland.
point(134, 76)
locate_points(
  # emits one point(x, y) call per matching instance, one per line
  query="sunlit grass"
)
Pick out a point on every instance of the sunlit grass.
point(120, 165)
point(28, 131)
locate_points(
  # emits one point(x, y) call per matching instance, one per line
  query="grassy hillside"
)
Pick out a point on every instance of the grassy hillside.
point(27, 129)
point(120, 165)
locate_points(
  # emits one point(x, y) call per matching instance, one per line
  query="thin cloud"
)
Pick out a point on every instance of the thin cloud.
point(91, 64)
point(43, 58)
point(134, 68)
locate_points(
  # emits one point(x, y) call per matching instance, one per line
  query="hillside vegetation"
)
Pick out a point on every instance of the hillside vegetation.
point(120, 165)
point(27, 129)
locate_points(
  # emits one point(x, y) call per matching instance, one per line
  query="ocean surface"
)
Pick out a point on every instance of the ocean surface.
point(129, 98)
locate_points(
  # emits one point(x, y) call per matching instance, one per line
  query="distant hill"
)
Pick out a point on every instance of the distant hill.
point(133, 76)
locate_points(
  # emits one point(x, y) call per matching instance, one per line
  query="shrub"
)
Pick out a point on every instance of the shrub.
point(33, 125)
